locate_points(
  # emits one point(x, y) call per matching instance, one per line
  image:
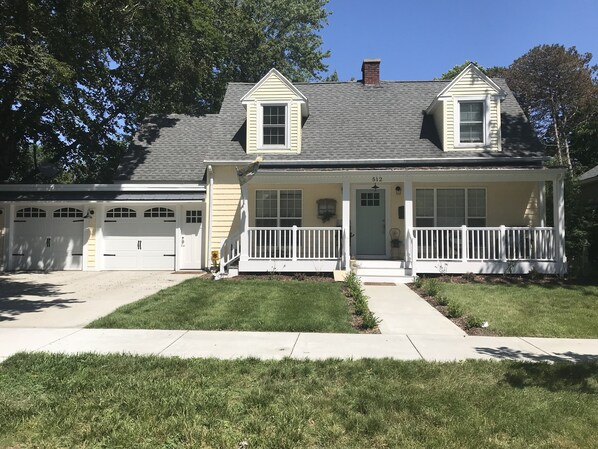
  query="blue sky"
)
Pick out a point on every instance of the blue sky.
point(419, 40)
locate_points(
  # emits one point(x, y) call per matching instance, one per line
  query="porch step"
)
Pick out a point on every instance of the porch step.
point(371, 263)
point(386, 279)
point(383, 271)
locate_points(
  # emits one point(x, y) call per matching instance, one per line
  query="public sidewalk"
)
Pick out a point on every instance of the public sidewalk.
point(277, 345)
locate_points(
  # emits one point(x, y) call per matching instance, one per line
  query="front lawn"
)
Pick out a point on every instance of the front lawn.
point(120, 401)
point(532, 309)
point(245, 305)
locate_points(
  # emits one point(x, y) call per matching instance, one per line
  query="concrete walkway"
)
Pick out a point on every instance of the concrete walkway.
point(402, 311)
point(277, 345)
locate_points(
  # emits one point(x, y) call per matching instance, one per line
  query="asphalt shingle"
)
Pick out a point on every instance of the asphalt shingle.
point(348, 121)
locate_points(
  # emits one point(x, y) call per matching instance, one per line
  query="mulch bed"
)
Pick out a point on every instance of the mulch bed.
point(356, 320)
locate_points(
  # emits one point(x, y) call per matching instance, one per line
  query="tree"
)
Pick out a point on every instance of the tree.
point(492, 72)
point(77, 77)
point(556, 87)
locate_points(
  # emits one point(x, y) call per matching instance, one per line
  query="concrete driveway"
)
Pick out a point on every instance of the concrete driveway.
point(74, 298)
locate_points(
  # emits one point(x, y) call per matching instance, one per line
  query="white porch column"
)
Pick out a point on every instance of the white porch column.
point(558, 200)
point(408, 190)
point(244, 224)
point(542, 202)
point(99, 215)
point(346, 222)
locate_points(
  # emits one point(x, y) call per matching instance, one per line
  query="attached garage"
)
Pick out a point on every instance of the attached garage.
point(102, 227)
point(47, 238)
point(139, 239)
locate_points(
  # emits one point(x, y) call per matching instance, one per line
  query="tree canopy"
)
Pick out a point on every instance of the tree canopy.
point(78, 76)
point(557, 88)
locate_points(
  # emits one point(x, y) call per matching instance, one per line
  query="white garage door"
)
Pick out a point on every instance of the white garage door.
point(48, 238)
point(139, 239)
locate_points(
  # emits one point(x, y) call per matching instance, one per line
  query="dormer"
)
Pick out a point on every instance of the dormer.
point(275, 112)
point(467, 112)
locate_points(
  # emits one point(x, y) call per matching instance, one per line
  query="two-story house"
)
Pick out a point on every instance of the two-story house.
point(392, 177)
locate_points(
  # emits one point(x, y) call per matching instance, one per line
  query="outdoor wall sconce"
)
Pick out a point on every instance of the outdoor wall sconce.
point(398, 190)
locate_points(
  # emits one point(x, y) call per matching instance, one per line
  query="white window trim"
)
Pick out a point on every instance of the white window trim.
point(485, 99)
point(278, 217)
point(260, 126)
point(467, 217)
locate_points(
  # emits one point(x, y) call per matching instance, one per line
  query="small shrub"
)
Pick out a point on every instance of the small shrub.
point(442, 300)
point(469, 276)
point(299, 276)
point(454, 310)
point(473, 321)
point(432, 287)
point(418, 282)
point(369, 320)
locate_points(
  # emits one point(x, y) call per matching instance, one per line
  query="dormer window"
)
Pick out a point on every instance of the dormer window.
point(274, 125)
point(472, 122)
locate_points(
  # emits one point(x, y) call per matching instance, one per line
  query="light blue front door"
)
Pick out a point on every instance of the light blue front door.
point(370, 232)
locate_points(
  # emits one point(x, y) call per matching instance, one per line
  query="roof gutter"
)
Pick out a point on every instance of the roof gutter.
point(386, 162)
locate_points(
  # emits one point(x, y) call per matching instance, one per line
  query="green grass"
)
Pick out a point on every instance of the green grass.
point(532, 310)
point(93, 401)
point(247, 305)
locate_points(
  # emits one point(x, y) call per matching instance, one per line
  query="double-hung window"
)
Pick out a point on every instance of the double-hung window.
point(274, 125)
point(471, 122)
point(278, 208)
point(450, 207)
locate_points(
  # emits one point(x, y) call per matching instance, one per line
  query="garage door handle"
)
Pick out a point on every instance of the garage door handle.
point(138, 244)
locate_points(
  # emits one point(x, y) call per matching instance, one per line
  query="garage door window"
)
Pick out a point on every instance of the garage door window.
point(31, 212)
point(121, 212)
point(68, 212)
point(159, 212)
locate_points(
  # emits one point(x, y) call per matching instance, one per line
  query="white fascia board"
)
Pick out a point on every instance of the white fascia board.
point(130, 187)
point(479, 73)
point(414, 175)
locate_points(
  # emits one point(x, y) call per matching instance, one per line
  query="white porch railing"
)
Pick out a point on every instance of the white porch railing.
point(481, 244)
point(295, 243)
point(230, 250)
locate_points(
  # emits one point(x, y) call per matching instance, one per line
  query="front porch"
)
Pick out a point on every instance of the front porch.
point(350, 240)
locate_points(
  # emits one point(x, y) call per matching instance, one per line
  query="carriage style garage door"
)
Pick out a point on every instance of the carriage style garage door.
point(139, 239)
point(48, 238)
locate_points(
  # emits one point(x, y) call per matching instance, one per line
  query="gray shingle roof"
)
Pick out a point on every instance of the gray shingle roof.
point(348, 121)
point(591, 173)
point(168, 148)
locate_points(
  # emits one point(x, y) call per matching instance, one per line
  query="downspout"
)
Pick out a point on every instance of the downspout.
point(210, 208)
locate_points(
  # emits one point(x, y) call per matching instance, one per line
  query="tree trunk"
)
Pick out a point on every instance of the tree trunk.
point(558, 139)
point(568, 154)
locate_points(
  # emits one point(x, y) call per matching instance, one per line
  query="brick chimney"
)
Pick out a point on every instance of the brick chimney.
point(370, 71)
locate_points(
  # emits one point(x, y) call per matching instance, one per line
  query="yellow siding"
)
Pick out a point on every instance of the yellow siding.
point(439, 122)
point(311, 193)
point(91, 243)
point(226, 196)
point(469, 85)
point(273, 89)
point(509, 204)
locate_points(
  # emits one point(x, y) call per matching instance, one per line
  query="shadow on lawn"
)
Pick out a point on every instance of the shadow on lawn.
point(18, 297)
point(557, 373)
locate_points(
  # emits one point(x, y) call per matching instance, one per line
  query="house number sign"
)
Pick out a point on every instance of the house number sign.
point(377, 179)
